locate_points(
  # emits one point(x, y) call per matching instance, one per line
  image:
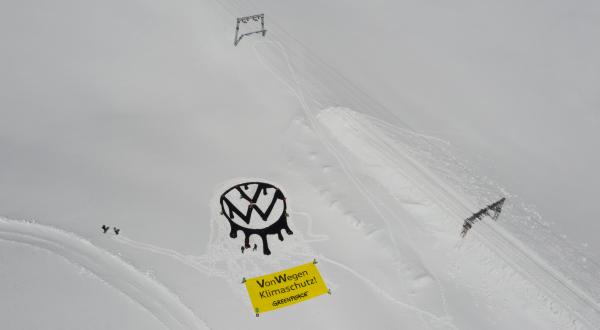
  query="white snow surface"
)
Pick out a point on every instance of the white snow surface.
point(373, 118)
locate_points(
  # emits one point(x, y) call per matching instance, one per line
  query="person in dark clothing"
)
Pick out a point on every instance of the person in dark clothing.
point(116, 230)
point(105, 228)
point(243, 248)
point(255, 246)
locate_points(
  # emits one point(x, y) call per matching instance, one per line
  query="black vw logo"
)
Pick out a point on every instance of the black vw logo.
point(255, 208)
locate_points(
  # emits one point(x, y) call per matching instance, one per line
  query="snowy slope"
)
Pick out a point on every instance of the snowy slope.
point(139, 288)
point(140, 114)
point(513, 85)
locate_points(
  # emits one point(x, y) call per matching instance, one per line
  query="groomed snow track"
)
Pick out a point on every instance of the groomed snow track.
point(165, 306)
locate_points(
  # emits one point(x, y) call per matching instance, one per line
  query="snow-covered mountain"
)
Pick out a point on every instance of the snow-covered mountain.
point(385, 125)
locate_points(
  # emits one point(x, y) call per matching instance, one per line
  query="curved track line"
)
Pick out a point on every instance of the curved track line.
point(145, 291)
point(188, 260)
point(436, 319)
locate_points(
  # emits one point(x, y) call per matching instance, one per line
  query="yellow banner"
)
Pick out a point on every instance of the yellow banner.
point(284, 288)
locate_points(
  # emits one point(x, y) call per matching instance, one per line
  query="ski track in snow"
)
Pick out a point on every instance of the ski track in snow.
point(438, 321)
point(164, 305)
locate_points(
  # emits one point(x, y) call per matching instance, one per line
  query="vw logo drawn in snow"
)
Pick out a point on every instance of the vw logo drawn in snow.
point(255, 208)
